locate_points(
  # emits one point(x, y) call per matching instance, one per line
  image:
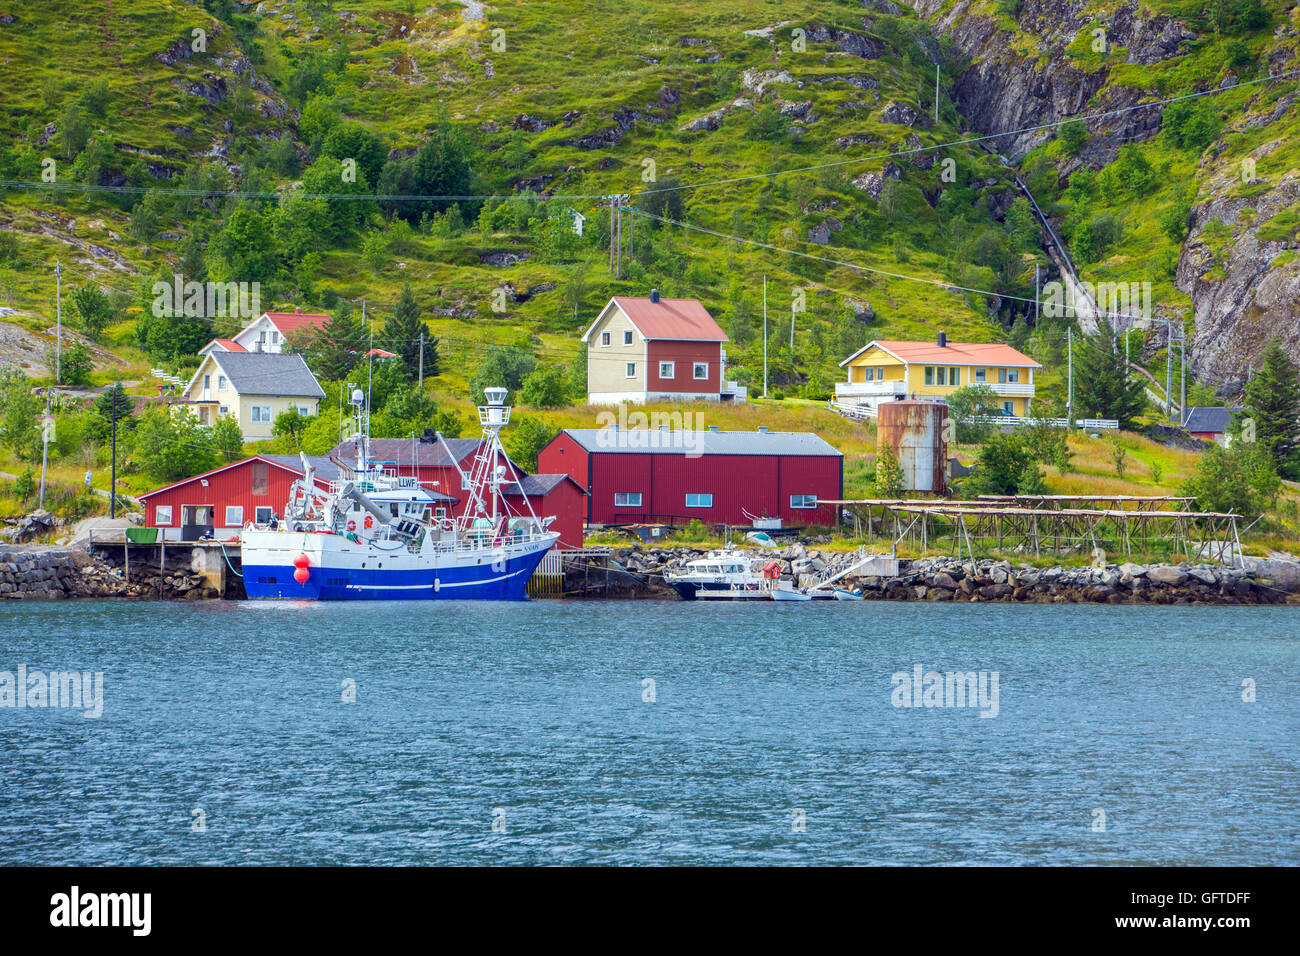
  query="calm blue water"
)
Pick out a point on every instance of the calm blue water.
point(538, 710)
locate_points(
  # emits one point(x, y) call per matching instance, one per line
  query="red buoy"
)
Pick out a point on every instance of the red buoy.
point(301, 561)
point(301, 575)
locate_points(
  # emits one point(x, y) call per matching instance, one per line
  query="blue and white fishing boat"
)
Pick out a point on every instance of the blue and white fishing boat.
point(375, 535)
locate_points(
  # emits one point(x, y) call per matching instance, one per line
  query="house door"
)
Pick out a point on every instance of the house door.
point(196, 521)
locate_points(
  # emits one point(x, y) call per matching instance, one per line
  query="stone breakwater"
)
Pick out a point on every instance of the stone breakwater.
point(52, 574)
point(1260, 581)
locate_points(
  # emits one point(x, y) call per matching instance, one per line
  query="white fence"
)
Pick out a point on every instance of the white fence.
point(866, 412)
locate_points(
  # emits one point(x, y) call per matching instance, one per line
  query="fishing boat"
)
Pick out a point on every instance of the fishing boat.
point(373, 534)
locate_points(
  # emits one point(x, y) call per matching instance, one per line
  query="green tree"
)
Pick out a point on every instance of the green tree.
point(403, 332)
point(20, 412)
point(354, 141)
point(1272, 405)
point(325, 180)
point(93, 308)
point(1073, 137)
point(227, 439)
point(546, 387)
point(247, 246)
point(441, 167)
point(74, 366)
point(170, 444)
point(114, 402)
point(527, 436)
point(971, 402)
point(766, 123)
point(374, 250)
point(336, 347)
point(501, 366)
point(578, 373)
point(1103, 387)
point(1046, 441)
point(889, 473)
point(1237, 480)
point(1006, 467)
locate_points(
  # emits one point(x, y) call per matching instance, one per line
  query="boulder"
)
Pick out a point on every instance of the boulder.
point(1167, 575)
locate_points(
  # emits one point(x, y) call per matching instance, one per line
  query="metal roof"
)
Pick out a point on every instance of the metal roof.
point(1213, 419)
point(678, 319)
point(401, 451)
point(667, 442)
point(953, 353)
point(267, 373)
point(536, 486)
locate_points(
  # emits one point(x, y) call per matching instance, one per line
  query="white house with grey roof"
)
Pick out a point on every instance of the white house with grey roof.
point(253, 388)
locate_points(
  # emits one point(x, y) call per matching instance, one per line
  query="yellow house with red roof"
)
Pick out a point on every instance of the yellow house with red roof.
point(884, 370)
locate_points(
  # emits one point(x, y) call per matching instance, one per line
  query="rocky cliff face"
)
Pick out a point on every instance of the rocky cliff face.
point(1244, 287)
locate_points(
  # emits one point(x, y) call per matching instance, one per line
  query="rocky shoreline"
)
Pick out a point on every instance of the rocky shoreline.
point(51, 574)
point(1260, 581)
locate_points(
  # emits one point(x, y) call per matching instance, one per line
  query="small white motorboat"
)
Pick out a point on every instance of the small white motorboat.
point(785, 592)
point(843, 595)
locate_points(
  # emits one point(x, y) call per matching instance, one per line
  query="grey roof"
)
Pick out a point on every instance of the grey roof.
point(537, 485)
point(326, 470)
point(1214, 419)
point(400, 450)
point(668, 442)
point(269, 373)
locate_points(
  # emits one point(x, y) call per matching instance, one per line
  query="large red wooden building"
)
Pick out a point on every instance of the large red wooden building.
point(653, 475)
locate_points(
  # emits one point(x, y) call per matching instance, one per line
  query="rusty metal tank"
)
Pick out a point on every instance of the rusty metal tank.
point(915, 429)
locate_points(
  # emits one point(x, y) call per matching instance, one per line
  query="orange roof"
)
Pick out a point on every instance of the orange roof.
point(381, 353)
point(230, 345)
point(681, 319)
point(954, 353)
point(287, 322)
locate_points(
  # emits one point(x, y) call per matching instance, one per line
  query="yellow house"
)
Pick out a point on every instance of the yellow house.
point(253, 388)
point(885, 370)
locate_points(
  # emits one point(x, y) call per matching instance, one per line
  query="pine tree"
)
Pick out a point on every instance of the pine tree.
point(1273, 404)
point(403, 333)
point(1102, 386)
point(337, 347)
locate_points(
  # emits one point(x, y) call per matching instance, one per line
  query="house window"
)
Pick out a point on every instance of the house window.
point(275, 337)
point(979, 375)
point(223, 410)
point(803, 501)
point(604, 338)
point(1013, 375)
point(1002, 376)
point(631, 369)
point(260, 478)
point(929, 375)
point(870, 376)
point(262, 514)
point(699, 501)
point(221, 383)
point(667, 369)
point(234, 516)
point(701, 370)
point(261, 414)
point(627, 499)
point(304, 411)
point(162, 515)
point(207, 382)
point(627, 336)
point(940, 376)
point(954, 376)
point(1008, 408)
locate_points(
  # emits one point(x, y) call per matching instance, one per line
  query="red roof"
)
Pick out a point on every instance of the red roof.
point(287, 322)
point(954, 353)
point(230, 345)
point(681, 319)
point(381, 353)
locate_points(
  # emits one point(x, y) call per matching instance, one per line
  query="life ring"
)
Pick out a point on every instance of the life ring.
point(352, 526)
point(370, 521)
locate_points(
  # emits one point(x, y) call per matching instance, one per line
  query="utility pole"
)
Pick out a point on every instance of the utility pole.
point(45, 445)
point(1036, 294)
point(765, 336)
point(936, 92)
point(422, 360)
point(792, 313)
point(1182, 372)
point(1069, 399)
point(112, 484)
point(613, 205)
point(58, 307)
point(618, 263)
point(1169, 368)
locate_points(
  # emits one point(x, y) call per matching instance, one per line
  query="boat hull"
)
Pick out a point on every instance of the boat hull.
point(341, 570)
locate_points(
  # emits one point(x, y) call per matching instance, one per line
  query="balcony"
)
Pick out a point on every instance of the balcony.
point(1010, 388)
point(856, 391)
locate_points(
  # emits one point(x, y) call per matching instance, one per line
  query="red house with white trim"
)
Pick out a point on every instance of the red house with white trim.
point(637, 475)
point(656, 349)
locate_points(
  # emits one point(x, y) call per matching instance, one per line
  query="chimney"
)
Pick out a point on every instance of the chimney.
point(654, 295)
point(942, 340)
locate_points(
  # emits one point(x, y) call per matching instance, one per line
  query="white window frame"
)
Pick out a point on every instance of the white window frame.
point(980, 376)
point(221, 383)
point(627, 336)
point(627, 501)
point(162, 515)
point(929, 375)
point(1013, 376)
point(261, 414)
point(257, 514)
point(207, 381)
point(304, 411)
point(631, 369)
point(604, 340)
point(238, 512)
point(798, 502)
point(672, 369)
point(1009, 408)
point(700, 501)
point(695, 370)
point(223, 410)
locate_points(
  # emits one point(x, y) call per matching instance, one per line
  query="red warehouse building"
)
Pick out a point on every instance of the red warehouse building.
point(550, 495)
point(221, 501)
point(652, 475)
